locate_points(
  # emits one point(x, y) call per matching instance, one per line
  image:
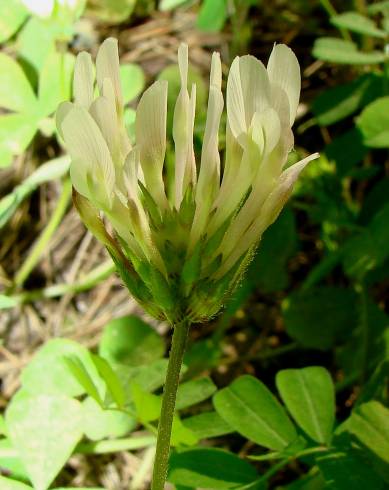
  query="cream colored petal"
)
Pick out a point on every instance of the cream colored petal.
point(280, 104)
point(210, 158)
point(235, 102)
point(190, 176)
point(107, 66)
point(87, 146)
point(150, 128)
point(139, 220)
point(83, 80)
point(183, 124)
point(268, 214)
point(216, 71)
point(62, 111)
point(268, 124)
point(78, 177)
point(104, 113)
point(284, 70)
point(209, 175)
point(248, 91)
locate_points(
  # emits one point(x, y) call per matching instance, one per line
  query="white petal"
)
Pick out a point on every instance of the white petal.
point(183, 64)
point(280, 104)
point(62, 111)
point(235, 102)
point(107, 66)
point(216, 71)
point(284, 70)
point(209, 175)
point(88, 148)
point(79, 179)
point(108, 92)
point(270, 125)
point(268, 214)
point(150, 128)
point(248, 91)
point(83, 80)
point(183, 122)
point(104, 113)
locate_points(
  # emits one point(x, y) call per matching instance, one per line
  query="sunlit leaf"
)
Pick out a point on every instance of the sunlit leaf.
point(44, 429)
point(309, 395)
point(209, 468)
point(249, 407)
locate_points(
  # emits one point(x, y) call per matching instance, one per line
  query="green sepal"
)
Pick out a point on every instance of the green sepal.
point(192, 269)
point(212, 268)
point(215, 240)
point(187, 208)
point(151, 206)
point(133, 283)
point(161, 290)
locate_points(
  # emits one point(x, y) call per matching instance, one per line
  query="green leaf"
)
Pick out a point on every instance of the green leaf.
point(346, 470)
point(44, 429)
point(212, 15)
point(12, 16)
point(358, 23)
point(16, 132)
point(338, 102)
point(113, 11)
point(77, 369)
point(319, 316)
point(8, 484)
point(148, 408)
point(312, 481)
point(48, 371)
point(7, 302)
point(209, 468)
point(346, 151)
point(268, 272)
point(112, 381)
point(133, 81)
point(309, 395)
point(376, 387)
point(374, 123)
point(16, 93)
point(368, 249)
point(149, 377)
point(370, 350)
point(10, 462)
point(55, 81)
point(207, 424)
point(249, 407)
point(131, 341)
point(194, 391)
point(378, 7)
point(99, 423)
point(165, 5)
point(369, 423)
point(35, 43)
point(340, 51)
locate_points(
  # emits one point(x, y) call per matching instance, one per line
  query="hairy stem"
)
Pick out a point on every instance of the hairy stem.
point(180, 336)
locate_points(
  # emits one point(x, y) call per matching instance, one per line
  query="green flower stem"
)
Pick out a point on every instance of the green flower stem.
point(179, 340)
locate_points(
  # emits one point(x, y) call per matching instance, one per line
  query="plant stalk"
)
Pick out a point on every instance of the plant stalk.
point(180, 335)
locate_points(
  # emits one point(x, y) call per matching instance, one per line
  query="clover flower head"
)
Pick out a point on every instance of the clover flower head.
point(181, 244)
